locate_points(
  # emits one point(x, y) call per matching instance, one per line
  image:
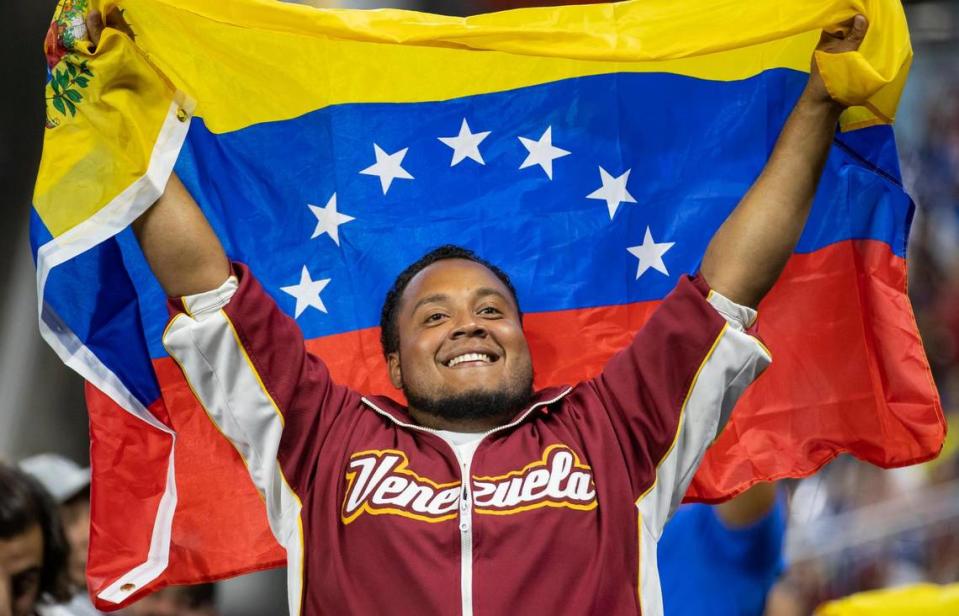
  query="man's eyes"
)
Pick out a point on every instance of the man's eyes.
point(486, 311)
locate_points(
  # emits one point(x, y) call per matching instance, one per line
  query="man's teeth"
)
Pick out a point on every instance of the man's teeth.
point(483, 357)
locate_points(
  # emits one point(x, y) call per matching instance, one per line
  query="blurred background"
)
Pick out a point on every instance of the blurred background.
point(852, 527)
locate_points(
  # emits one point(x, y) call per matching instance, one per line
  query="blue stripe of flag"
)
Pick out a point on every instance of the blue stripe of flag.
point(692, 147)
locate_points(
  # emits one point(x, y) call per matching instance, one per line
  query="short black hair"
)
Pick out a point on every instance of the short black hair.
point(389, 332)
point(23, 504)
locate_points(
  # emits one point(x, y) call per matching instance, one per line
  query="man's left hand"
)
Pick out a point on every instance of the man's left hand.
point(847, 36)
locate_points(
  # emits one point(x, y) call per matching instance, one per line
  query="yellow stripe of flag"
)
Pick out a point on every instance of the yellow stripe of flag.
point(251, 61)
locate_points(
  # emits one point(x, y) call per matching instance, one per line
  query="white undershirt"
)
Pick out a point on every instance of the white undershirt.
point(464, 443)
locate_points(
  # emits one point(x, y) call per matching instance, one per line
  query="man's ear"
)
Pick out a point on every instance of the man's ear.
point(396, 373)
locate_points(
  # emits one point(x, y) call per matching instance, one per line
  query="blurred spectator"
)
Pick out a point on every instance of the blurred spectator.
point(33, 549)
point(199, 600)
point(69, 485)
point(723, 560)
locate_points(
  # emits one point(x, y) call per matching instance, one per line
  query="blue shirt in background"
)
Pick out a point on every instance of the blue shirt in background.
point(707, 568)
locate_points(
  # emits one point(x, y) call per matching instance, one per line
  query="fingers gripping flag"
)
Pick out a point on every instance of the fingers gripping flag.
point(591, 152)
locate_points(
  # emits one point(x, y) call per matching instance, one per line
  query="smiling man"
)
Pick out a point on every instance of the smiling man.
point(483, 496)
point(471, 379)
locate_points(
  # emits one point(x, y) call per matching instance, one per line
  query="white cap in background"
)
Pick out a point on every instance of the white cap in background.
point(61, 477)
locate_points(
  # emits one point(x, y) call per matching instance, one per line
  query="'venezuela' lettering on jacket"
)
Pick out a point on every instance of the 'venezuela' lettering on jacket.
point(379, 482)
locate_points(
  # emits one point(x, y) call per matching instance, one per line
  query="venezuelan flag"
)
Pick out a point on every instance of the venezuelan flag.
point(590, 151)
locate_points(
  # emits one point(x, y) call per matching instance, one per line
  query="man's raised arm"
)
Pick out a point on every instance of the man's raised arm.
point(751, 248)
point(178, 242)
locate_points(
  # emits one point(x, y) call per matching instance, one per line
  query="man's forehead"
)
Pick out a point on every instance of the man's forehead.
point(452, 277)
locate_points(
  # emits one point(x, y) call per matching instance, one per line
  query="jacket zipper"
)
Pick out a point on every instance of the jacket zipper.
point(466, 537)
point(466, 495)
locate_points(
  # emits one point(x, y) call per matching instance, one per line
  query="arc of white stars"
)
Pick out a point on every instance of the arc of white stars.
point(387, 167)
point(650, 255)
point(328, 220)
point(613, 191)
point(307, 293)
point(465, 144)
point(542, 152)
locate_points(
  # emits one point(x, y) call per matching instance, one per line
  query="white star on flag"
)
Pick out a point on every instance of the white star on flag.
point(613, 191)
point(328, 220)
point(387, 167)
point(542, 152)
point(650, 255)
point(465, 145)
point(307, 293)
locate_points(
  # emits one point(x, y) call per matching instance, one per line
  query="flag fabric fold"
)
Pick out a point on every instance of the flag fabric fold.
point(590, 151)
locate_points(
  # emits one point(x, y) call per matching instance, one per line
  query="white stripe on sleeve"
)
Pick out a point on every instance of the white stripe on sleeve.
point(228, 387)
point(734, 362)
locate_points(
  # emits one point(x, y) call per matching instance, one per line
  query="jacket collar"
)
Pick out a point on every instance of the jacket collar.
point(541, 400)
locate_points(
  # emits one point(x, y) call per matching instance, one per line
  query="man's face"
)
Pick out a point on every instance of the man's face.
point(21, 562)
point(462, 352)
point(75, 514)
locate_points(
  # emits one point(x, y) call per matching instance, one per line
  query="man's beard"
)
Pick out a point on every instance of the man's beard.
point(475, 404)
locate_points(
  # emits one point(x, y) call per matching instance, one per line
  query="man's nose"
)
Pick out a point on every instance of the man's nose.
point(468, 327)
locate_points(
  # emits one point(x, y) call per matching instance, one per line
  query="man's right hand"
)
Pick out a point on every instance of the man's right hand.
point(183, 251)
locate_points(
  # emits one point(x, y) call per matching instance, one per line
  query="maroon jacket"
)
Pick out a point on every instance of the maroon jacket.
point(563, 506)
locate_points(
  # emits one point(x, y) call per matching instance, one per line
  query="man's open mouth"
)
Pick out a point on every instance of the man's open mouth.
point(471, 359)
